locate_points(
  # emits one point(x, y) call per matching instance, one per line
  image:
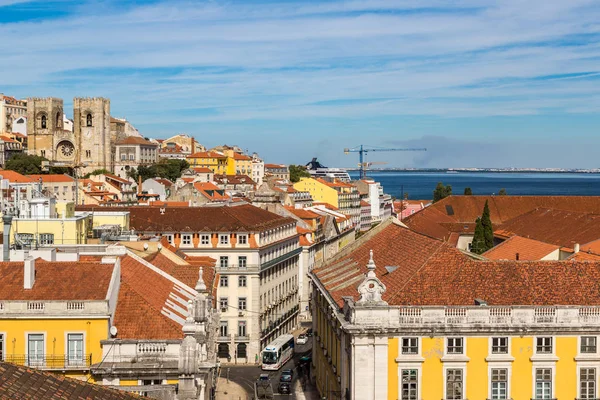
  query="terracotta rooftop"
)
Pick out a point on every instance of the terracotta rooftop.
point(207, 154)
point(460, 210)
point(146, 299)
point(558, 227)
point(241, 157)
point(54, 281)
point(234, 179)
point(211, 191)
point(202, 170)
point(14, 177)
point(17, 382)
point(53, 178)
point(135, 140)
point(527, 249)
point(275, 166)
point(419, 270)
point(242, 218)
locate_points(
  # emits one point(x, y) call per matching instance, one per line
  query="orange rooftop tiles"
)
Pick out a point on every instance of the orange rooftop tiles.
point(526, 249)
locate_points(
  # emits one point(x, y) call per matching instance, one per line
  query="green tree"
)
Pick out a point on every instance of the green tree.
point(297, 172)
point(441, 192)
point(468, 191)
point(502, 192)
point(25, 164)
point(488, 230)
point(96, 172)
point(478, 243)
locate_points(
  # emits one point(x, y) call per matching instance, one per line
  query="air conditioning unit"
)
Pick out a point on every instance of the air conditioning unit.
point(223, 309)
point(240, 314)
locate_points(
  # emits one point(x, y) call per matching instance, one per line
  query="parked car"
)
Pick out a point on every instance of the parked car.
point(309, 332)
point(305, 359)
point(264, 378)
point(301, 339)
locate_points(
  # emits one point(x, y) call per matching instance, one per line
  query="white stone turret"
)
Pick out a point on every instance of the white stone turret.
point(371, 289)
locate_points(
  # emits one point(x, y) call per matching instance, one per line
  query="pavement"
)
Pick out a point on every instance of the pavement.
point(242, 378)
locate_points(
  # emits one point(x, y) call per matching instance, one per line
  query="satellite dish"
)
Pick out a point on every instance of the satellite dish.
point(113, 331)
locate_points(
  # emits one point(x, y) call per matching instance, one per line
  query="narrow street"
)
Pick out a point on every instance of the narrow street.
point(245, 376)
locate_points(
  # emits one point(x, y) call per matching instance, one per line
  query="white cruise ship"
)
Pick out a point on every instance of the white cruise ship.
point(318, 170)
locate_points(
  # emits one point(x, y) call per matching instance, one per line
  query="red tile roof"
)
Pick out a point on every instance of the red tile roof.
point(211, 191)
point(242, 218)
point(207, 154)
point(558, 227)
point(527, 249)
point(465, 209)
point(143, 301)
point(234, 179)
point(14, 177)
point(135, 140)
point(275, 166)
point(241, 157)
point(426, 271)
point(53, 178)
point(202, 170)
point(54, 281)
point(18, 382)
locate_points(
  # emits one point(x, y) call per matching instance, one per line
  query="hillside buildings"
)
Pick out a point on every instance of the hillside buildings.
point(131, 152)
point(11, 109)
point(256, 254)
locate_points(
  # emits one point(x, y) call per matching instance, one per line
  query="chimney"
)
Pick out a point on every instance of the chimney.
point(29, 272)
point(139, 184)
point(517, 256)
point(576, 248)
point(7, 220)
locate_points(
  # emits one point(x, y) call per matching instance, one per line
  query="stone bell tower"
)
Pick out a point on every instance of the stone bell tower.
point(91, 128)
point(44, 124)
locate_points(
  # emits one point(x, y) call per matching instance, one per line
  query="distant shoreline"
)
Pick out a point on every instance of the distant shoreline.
point(467, 171)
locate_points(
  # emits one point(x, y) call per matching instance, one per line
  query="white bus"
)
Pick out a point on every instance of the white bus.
point(278, 352)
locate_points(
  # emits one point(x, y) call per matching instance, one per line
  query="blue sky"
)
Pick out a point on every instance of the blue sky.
point(478, 82)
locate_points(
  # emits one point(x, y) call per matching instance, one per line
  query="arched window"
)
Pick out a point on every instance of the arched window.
point(88, 120)
point(58, 119)
point(43, 122)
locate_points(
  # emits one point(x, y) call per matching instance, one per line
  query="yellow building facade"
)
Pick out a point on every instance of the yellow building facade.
point(216, 162)
point(472, 361)
point(49, 325)
point(47, 231)
point(238, 164)
point(319, 191)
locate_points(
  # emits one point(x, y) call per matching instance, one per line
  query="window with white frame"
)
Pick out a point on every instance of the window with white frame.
point(410, 345)
point(243, 239)
point(543, 345)
point(224, 281)
point(35, 349)
point(543, 383)
point(75, 348)
point(588, 344)
point(455, 345)
point(241, 328)
point(500, 345)
point(454, 384)
point(169, 238)
point(223, 239)
point(223, 261)
point(587, 383)
point(1, 347)
point(499, 383)
point(242, 303)
point(242, 281)
point(242, 261)
point(205, 239)
point(223, 328)
point(409, 384)
point(186, 239)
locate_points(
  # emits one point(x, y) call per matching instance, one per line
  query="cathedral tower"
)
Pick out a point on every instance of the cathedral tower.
point(91, 128)
point(45, 126)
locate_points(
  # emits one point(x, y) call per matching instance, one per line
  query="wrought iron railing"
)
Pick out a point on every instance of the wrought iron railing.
point(50, 361)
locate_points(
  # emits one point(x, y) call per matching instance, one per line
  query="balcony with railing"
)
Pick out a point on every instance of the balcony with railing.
point(497, 316)
point(54, 308)
point(238, 268)
point(51, 361)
